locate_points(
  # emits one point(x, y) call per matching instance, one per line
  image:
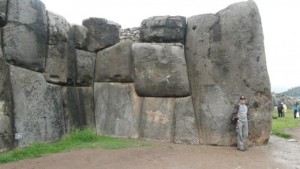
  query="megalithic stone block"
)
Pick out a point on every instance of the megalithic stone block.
point(186, 129)
point(85, 68)
point(78, 108)
point(163, 29)
point(25, 35)
point(160, 70)
point(115, 64)
point(101, 33)
point(61, 57)
point(38, 111)
point(80, 37)
point(117, 109)
point(225, 57)
point(3, 9)
point(157, 119)
point(6, 116)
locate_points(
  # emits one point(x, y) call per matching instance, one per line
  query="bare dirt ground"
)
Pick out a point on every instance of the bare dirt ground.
point(278, 154)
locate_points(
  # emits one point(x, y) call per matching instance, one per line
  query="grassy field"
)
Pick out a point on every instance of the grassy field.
point(281, 123)
point(79, 139)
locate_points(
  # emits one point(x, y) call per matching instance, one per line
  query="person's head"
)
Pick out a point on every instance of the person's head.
point(242, 100)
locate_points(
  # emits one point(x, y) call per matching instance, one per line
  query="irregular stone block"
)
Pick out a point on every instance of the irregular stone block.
point(25, 35)
point(157, 119)
point(160, 70)
point(117, 109)
point(226, 59)
point(60, 29)
point(115, 64)
point(163, 29)
point(78, 108)
point(37, 109)
point(186, 129)
point(80, 37)
point(6, 134)
point(31, 13)
point(85, 67)
point(61, 58)
point(61, 64)
point(3, 9)
point(101, 33)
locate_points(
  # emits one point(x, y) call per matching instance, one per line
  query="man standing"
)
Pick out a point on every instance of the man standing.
point(242, 124)
point(279, 109)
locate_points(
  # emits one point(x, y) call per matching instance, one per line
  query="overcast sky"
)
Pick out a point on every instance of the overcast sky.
point(280, 20)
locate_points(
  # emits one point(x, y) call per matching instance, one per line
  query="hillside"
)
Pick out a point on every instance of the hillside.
point(295, 92)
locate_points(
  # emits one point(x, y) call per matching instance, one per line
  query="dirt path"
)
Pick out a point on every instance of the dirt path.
point(278, 154)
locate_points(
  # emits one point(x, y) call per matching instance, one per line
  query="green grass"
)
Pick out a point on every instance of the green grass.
point(78, 139)
point(280, 124)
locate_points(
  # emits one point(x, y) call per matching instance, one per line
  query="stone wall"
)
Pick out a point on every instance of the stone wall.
point(173, 78)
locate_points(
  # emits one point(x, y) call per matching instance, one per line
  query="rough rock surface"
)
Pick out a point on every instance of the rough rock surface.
point(80, 37)
point(115, 64)
point(38, 113)
point(101, 33)
point(117, 109)
point(160, 70)
point(25, 35)
point(78, 108)
point(6, 136)
point(226, 59)
point(157, 118)
point(85, 68)
point(163, 29)
point(186, 129)
point(61, 58)
point(3, 9)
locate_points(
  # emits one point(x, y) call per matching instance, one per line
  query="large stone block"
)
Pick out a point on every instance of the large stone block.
point(85, 68)
point(117, 109)
point(3, 9)
point(38, 113)
point(225, 57)
point(61, 64)
point(61, 57)
point(6, 133)
point(101, 33)
point(186, 129)
point(60, 30)
point(160, 70)
point(163, 29)
point(157, 119)
point(78, 108)
point(25, 35)
point(115, 64)
point(80, 37)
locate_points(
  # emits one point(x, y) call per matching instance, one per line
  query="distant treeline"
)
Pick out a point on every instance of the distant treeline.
point(295, 92)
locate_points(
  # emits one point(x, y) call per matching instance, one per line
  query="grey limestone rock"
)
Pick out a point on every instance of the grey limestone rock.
point(61, 57)
point(80, 37)
point(101, 33)
point(117, 109)
point(25, 35)
point(85, 67)
point(160, 70)
point(225, 57)
point(186, 129)
point(6, 116)
point(38, 112)
point(157, 118)
point(3, 9)
point(60, 30)
point(78, 108)
point(163, 29)
point(115, 64)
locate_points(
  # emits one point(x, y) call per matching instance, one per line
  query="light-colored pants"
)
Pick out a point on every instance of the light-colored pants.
point(242, 134)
